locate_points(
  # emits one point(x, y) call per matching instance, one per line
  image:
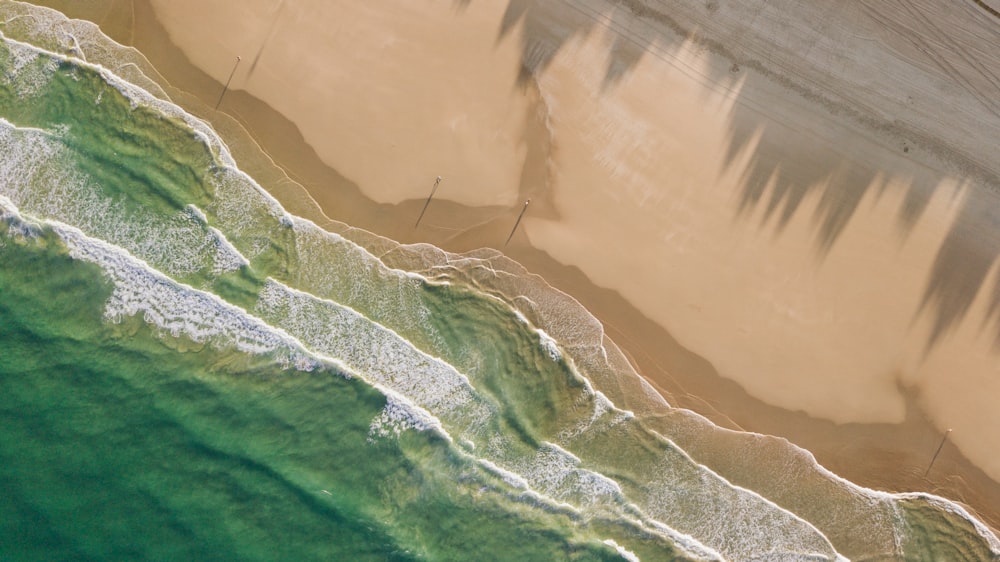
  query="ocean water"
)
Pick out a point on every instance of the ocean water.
point(189, 371)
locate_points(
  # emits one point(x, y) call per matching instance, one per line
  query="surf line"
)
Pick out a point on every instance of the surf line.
point(428, 202)
point(517, 222)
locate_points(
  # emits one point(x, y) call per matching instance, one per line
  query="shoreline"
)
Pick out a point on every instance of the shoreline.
point(689, 380)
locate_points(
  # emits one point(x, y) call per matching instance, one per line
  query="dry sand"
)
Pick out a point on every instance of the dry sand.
point(785, 212)
point(392, 92)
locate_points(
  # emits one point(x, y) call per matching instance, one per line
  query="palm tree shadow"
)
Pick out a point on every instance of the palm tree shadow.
point(969, 253)
point(778, 180)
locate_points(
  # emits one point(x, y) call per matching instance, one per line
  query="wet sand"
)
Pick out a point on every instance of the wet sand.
point(802, 254)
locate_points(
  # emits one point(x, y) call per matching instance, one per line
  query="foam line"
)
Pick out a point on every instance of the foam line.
point(181, 244)
point(136, 95)
point(227, 257)
point(549, 344)
point(625, 553)
point(46, 21)
point(389, 359)
point(889, 498)
point(177, 309)
point(385, 356)
point(398, 415)
point(182, 310)
point(210, 138)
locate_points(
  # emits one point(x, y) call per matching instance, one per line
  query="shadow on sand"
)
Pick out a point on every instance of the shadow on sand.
point(640, 29)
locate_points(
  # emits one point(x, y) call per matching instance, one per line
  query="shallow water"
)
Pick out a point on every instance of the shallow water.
point(190, 371)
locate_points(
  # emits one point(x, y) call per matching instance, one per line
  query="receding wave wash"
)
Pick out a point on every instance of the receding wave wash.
point(188, 371)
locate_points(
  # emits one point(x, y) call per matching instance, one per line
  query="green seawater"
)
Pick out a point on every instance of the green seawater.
point(120, 447)
point(188, 371)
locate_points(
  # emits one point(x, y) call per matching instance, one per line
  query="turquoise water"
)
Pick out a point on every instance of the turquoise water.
point(188, 371)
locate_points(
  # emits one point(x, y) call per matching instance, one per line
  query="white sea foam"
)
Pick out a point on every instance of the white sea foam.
point(37, 174)
point(951, 507)
point(603, 412)
point(17, 227)
point(383, 356)
point(285, 219)
point(177, 309)
point(231, 209)
point(227, 257)
point(203, 317)
point(400, 415)
point(242, 209)
point(551, 472)
point(8, 210)
point(20, 57)
point(882, 505)
point(701, 482)
point(391, 297)
point(22, 230)
point(197, 213)
point(387, 359)
point(521, 317)
point(549, 344)
point(625, 553)
point(511, 478)
point(26, 74)
point(556, 472)
point(135, 95)
point(78, 38)
point(737, 522)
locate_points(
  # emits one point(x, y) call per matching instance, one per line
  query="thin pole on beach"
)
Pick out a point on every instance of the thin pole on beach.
point(517, 222)
point(428, 202)
point(226, 87)
point(936, 453)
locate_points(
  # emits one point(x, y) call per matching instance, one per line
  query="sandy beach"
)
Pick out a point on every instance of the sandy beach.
point(784, 213)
